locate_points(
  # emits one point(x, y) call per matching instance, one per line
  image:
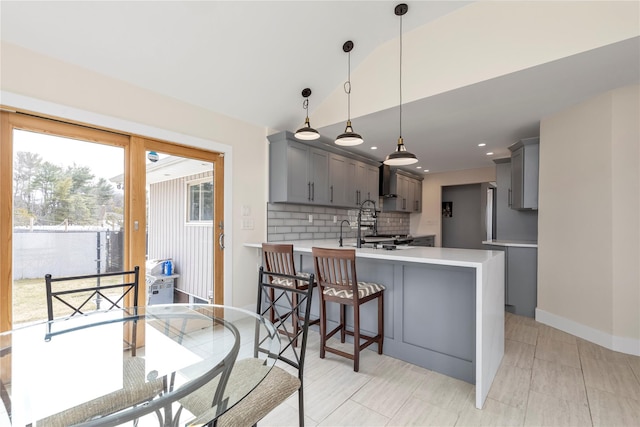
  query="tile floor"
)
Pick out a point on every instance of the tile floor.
point(547, 378)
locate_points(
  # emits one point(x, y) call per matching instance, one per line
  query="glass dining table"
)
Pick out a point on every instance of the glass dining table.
point(177, 369)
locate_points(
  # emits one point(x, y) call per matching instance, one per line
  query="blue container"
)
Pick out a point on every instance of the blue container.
point(168, 268)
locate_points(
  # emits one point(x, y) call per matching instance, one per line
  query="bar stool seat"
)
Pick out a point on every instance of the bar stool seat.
point(364, 290)
point(336, 275)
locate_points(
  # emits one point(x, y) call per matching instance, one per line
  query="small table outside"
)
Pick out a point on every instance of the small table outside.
point(47, 369)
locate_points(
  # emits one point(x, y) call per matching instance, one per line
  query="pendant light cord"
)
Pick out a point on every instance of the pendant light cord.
point(305, 105)
point(400, 76)
point(347, 87)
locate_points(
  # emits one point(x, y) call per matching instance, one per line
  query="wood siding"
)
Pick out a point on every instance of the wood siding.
point(190, 246)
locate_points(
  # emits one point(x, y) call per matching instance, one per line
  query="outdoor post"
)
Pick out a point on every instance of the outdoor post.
point(98, 267)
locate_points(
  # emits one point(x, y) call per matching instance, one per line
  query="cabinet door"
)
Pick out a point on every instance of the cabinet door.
point(298, 179)
point(319, 176)
point(403, 193)
point(337, 180)
point(372, 184)
point(361, 182)
point(350, 185)
point(416, 202)
point(517, 178)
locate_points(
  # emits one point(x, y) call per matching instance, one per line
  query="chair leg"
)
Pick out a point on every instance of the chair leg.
point(323, 326)
point(301, 405)
point(380, 322)
point(356, 337)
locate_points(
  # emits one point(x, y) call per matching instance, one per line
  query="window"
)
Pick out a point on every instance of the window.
point(200, 201)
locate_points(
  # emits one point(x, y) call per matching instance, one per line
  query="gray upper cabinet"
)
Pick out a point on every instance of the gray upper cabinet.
point(303, 174)
point(298, 173)
point(525, 156)
point(408, 191)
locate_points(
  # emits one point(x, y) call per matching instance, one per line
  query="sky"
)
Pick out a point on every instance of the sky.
point(105, 161)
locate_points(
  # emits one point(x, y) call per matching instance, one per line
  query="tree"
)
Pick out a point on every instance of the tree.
point(24, 171)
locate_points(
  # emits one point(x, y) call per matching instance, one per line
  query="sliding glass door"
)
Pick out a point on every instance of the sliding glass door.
point(74, 201)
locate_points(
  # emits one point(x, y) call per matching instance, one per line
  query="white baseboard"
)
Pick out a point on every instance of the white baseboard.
point(612, 342)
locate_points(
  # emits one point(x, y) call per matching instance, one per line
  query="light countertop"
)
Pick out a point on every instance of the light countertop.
point(417, 254)
point(513, 243)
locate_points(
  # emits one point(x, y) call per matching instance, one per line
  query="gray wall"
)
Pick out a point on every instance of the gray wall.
point(291, 222)
point(465, 228)
point(510, 223)
point(189, 246)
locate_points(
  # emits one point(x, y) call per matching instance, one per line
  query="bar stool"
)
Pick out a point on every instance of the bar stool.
point(278, 258)
point(336, 277)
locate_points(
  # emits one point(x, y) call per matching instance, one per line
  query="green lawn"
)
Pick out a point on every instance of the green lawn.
point(30, 298)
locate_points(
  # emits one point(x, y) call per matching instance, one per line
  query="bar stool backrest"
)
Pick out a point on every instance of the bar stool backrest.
point(336, 268)
point(278, 258)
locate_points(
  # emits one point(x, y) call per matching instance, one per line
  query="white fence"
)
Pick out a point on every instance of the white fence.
point(59, 253)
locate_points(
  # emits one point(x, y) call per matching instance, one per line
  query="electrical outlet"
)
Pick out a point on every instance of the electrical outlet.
point(310, 219)
point(335, 219)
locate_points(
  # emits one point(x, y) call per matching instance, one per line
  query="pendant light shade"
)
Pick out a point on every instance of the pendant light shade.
point(401, 157)
point(349, 137)
point(306, 133)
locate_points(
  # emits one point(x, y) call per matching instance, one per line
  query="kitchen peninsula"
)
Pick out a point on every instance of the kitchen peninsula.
point(444, 308)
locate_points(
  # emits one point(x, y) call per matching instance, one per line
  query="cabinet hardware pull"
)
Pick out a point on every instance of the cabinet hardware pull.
point(331, 194)
point(309, 191)
point(313, 191)
point(509, 200)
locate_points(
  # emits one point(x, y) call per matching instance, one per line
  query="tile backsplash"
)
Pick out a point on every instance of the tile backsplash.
point(292, 222)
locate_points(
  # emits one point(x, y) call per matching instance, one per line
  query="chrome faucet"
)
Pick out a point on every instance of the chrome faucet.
point(340, 240)
point(359, 231)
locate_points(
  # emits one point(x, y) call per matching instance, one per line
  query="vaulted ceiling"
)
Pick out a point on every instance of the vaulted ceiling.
point(251, 60)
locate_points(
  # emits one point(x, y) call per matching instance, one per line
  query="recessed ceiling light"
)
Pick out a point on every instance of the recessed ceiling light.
point(418, 167)
point(374, 148)
point(426, 170)
point(482, 144)
point(490, 153)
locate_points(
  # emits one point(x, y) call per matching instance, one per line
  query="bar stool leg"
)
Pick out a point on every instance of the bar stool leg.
point(295, 316)
point(323, 326)
point(343, 322)
point(356, 337)
point(380, 322)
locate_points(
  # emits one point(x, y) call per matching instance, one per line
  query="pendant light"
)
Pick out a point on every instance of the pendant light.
point(349, 137)
point(306, 132)
point(401, 157)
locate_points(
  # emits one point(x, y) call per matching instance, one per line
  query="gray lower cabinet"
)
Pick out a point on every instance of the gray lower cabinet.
point(521, 279)
point(428, 241)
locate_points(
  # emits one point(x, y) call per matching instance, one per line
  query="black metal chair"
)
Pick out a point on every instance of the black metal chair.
point(278, 258)
point(278, 384)
point(83, 298)
point(5, 373)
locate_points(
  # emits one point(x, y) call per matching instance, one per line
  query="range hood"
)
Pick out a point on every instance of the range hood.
point(386, 189)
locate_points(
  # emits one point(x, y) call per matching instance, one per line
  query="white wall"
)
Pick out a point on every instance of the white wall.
point(588, 221)
point(75, 93)
point(430, 220)
point(482, 40)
